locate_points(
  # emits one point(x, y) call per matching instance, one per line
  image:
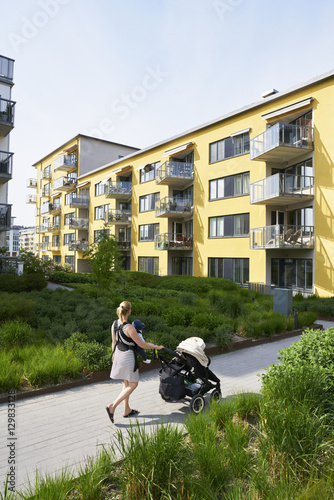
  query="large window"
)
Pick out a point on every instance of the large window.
point(229, 147)
point(98, 234)
point(148, 265)
point(233, 269)
point(68, 238)
point(229, 225)
point(100, 212)
point(100, 188)
point(182, 266)
point(148, 173)
point(68, 218)
point(292, 273)
point(227, 187)
point(147, 203)
point(148, 231)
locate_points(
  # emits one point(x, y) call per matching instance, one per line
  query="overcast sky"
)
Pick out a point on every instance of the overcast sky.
point(140, 71)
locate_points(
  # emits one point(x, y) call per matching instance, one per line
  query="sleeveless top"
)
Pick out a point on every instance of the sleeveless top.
point(123, 342)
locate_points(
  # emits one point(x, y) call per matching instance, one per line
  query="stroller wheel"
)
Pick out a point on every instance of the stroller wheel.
point(215, 395)
point(197, 403)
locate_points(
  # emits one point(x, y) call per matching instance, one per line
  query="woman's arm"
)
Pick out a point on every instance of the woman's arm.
point(113, 338)
point(132, 332)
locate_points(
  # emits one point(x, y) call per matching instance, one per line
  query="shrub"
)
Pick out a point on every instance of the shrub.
point(223, 334)
point(63, 277)
point(16, 284)
point(16, 332)
point(229, 304)
point(306, 318)
point(94, 356)
point(19, 307)
point(178, 316)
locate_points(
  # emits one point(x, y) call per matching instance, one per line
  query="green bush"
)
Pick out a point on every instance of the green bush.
point(18, 307)
point(178, 316)
point(209, 321)
point(63, 277)
point(16, 284)
point(94, 356)
point(227, 303)
point(261, 323)
point(224, 333)
point(306, 318)
point(16, 332)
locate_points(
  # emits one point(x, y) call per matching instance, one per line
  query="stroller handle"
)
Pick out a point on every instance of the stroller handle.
point(170, 351)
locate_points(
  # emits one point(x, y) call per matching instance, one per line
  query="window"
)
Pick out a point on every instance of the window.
point(56, 240)
point(148, 264)
point(147, 232)
point(68, 218)
point(182, 266)
point(98, 233)
point(149, 171)
point(100, 212)
point(69, 260)
point(229, 147)
point(234, 269)
point(57, 259)
point(148, 202)
point(56, 221)
point(57, 202)
point(227, 187)
point(100, 188)
point(229, 225)
point(68, 238)
point(292, 273)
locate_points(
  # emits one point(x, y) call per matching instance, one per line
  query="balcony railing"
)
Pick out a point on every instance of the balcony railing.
point(65, 183)
point(43, 228)
point(44, 246)
point(79, 201)
point(79, 246)
point(6, 68)
point(55, 208)
point(31, 198)
point(173, 241)
point(55, 228)
point(55, 245)
point(124, 245)
point(45, 208)
point(174, 173)
point(6, 163)
point(32, 183)
point(7, 109)
point(174, 207)
point(280, 188)
point(79, 223)
point(5, 216)
point(65, 162)
point(282, 236)
point(119, 189)
point(117, 216)
point(282, 142)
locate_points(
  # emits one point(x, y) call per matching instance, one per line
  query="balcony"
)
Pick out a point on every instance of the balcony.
point(79, 201)
point(55, 208)
point(65, 163)
point(281, 143)
point(79, 223)
point(119, 190)
point(123, 245)
point(32, 183)
point(6, 68)
point(5, 216)
point(55, 228)
point(174, 207)
point(44, 246)
point(282, 237)
point(43, 228)
point(117, 216)
point(6, 163)
point(174, 173)
point(31, 199)
point(79, 246)
point(173, 241)
point(45, 208)
point(7, 109)
point(55, 246)
point(64, 183)
point(282, 189)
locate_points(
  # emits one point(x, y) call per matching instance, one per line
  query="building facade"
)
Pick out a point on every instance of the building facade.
point(248, 197)
point(63, 204)
point(27, 236)
point(13, 241)
point(7, 110)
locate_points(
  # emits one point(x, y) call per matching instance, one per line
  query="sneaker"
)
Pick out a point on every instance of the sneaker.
point(147, 360)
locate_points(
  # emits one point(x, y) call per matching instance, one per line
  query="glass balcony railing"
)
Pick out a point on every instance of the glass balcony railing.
point(173, 241)
point(5, 216)
point(281, 185)
point(44, 246)
point(55, 208)
point(32, 183)
point(43, 228)
point(65, 162)
point(81, 200)
point(79, 223)
point(79, 246)
point(7, 109)
point(45, 208)
point(6, 68)
point(173, 206)
point(281, 142)
point(6, 164)
point(118, 189)
point(117, 216)
point(174, 172)
point(31, 198)
point(65, 183)
point(123, 245)
point(282, 236)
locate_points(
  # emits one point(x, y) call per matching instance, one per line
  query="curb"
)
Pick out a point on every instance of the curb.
point(104, 375)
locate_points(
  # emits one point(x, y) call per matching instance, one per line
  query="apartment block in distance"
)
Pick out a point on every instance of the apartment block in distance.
point(7, 109)
point(63, 204)
point(247, 196)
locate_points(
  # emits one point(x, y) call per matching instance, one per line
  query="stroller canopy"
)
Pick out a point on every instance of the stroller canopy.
point(194, 346)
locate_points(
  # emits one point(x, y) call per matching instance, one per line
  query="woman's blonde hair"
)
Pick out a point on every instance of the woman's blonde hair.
point(123, 309)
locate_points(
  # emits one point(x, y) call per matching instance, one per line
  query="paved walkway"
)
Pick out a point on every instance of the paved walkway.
point(58, 430)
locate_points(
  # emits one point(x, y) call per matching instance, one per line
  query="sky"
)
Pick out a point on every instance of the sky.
point(137, 72)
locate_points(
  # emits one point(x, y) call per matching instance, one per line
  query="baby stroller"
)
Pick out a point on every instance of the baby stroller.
point(187, 374)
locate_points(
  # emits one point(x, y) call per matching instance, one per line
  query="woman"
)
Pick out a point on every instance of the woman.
point(124, 340)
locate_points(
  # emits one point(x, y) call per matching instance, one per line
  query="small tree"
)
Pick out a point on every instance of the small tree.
point(105, 259)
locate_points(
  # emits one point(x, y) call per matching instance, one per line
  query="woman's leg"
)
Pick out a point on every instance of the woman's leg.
point(128, 388)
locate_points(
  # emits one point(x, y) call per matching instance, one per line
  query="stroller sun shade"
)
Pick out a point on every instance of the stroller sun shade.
point(194, 346)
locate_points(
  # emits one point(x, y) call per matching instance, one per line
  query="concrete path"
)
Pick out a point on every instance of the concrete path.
point(60, 430)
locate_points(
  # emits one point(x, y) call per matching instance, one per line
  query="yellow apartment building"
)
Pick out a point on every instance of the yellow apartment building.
point(248, 196)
